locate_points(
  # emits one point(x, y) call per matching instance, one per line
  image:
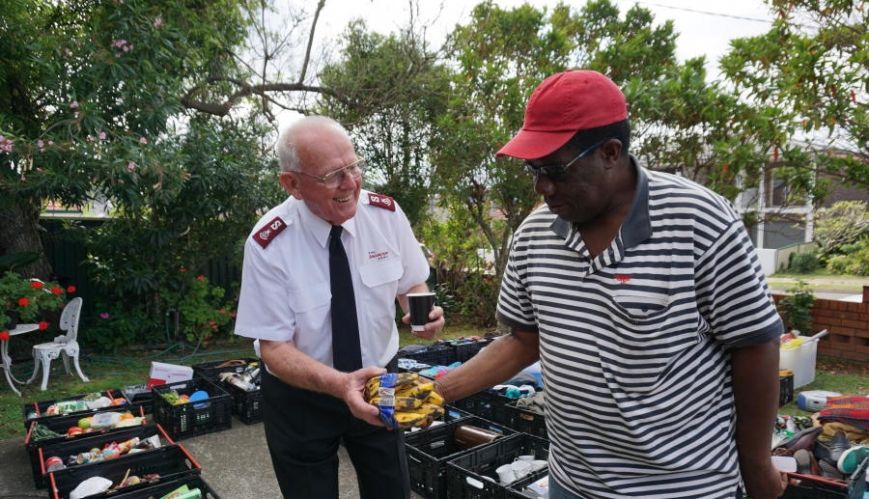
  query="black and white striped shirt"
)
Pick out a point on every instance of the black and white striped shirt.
point(634, 342)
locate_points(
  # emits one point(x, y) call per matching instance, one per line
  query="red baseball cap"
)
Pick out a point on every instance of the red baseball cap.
point(562, 105)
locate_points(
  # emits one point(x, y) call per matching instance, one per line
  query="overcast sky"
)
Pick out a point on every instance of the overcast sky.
point(703, 27)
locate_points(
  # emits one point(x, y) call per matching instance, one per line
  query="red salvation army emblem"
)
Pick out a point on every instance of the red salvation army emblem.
point(265, 235)
point(623, 278)
point(381, 201)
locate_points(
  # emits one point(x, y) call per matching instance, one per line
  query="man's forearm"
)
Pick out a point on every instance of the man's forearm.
point(495, 364)
point(295, 368)
point(755, 393)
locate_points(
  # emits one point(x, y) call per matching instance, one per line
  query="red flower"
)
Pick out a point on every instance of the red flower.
point(4, 335)
point(70, 289)
point(23, 302)
point(43, 325)
point(200, 277)
point(36, 285)
point(182, 269)
point(56, 291)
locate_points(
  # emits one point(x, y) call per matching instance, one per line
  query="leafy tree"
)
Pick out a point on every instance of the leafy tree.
point(392, 88)
point(501, 55)
point(89, 92)
point(806, 78)
point(843, 223)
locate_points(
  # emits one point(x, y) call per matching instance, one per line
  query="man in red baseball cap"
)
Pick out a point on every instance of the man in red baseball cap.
point(641, 294)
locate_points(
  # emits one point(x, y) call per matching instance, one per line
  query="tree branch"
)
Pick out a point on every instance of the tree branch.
point(304, 70)
point(245, 90)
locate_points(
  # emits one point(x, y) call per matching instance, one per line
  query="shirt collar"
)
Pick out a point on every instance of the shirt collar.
point(637, 227)
point(320, 228)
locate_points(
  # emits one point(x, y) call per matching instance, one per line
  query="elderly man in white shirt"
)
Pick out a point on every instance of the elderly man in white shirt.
point(321, 275)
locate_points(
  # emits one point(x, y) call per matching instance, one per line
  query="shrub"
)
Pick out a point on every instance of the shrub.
point(796, 307)
point(803, 263)
point(855, 261)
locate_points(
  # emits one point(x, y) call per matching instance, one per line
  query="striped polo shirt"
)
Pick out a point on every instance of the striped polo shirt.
point(634, 342)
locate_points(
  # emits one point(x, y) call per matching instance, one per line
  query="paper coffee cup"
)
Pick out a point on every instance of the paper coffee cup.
point(420, 305)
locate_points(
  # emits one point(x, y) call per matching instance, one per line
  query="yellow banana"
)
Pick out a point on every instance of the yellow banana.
point(407, 420)
point(419, 390)
point(434, 398)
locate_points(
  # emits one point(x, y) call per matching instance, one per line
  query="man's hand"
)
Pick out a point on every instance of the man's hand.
point(351, 394)
point(432, 327)
point(764, 481)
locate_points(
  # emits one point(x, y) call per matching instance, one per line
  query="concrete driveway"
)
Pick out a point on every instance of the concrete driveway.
point(235, 463)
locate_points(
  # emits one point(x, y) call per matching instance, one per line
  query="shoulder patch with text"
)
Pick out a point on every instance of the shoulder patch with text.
point(381, 201)
point(266, 235)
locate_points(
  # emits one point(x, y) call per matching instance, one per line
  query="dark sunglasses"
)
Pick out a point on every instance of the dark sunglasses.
point(558, 171)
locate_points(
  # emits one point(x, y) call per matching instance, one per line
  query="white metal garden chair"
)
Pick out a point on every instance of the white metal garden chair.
point(65, 346)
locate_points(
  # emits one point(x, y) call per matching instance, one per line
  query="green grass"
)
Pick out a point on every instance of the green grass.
point(821, 280)
point(835, 375)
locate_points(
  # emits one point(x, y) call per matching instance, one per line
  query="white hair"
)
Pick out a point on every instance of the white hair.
point(288, 150)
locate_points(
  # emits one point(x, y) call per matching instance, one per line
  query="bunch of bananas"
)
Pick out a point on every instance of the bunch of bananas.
point(405, 400)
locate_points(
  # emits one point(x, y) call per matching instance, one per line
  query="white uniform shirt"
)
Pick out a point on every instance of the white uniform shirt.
point(285, 292)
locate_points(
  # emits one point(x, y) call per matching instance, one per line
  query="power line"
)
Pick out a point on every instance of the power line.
point(708, 13)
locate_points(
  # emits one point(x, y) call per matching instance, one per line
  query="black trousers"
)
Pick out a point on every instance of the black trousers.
point(303, 431)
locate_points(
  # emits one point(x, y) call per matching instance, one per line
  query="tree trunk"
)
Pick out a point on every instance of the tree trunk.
point(19, 233)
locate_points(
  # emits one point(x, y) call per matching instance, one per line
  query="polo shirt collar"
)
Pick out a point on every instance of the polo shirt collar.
point(319, 228)
point(636, 228)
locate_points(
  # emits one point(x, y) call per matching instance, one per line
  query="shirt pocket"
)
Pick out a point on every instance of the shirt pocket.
point(641, 306)
point(380, 279)
point(311, 305)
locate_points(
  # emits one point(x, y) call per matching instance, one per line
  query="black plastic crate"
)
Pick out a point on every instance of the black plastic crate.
point(516, 490)
point(487, 404)
point(160, 489)
point(72, 447)
point(525, 420)
point(428, 451)
point(246, 405)
point(193, 418)
point(472, 475)
point(212, 370)
point(139, 396)
point(466, 349)
point(37, 409)
point(170, 462)
point(60, 424)
point(437, 354)
point(450, 414)
point(811, 487)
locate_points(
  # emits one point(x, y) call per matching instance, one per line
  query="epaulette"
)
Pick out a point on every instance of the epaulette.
point(381, 201)
point(268, 233)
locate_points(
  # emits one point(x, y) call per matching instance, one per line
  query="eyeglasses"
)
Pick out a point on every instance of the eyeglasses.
point(334, 178)
point(556, 172)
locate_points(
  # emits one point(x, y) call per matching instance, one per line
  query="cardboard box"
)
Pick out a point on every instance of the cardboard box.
point(162, 373)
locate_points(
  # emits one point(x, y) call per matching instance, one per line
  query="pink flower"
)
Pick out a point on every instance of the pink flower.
point(143, 140)
point(131, 166)
point(104, 315)
point(5, 144)
point(73, 104)
point(158, 22)
point(102, 135)
point(40, 145)
point(51, 142)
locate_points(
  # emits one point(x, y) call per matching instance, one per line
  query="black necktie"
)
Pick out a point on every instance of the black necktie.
point(346, 353)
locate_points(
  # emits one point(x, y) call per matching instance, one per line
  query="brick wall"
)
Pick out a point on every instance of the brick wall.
point(848, 324)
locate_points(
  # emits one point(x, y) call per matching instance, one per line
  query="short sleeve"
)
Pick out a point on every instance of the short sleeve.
point(514, 304)
point(732, 294)
point(263, 303)
point(416, 269)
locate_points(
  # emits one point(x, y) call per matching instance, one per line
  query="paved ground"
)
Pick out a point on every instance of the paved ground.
point(235, 463)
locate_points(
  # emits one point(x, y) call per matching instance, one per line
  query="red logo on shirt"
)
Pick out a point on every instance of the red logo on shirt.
point(265, 235)
point(381, 201)
point(623, 278)
point(378, 255)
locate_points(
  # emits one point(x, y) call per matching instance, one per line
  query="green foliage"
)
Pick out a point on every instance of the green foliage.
point(28, 298)
point(854, 259)
point(113, 327)
point(201, 306)
point(841, 224)
point(803, 263)
point(390, 89)
point(796, 307)
point(807, 79)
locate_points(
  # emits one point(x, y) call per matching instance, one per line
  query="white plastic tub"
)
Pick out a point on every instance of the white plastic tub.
point(801, 361)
